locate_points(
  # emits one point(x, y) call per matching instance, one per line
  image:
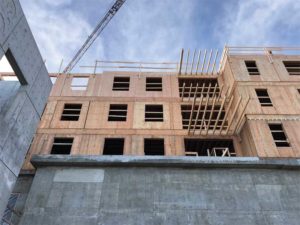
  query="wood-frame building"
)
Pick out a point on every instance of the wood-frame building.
point(247, 105)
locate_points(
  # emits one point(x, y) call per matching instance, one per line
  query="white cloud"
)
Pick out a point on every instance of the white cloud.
point(260, 22)
point(58, 33)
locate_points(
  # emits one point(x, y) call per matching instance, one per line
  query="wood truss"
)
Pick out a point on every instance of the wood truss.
point(207, 109)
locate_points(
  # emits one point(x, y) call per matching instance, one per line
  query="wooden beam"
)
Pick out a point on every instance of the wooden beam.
point(193, 106)
point(205, 108)
point(182, 92)
point(226, 114)
point(210, 116)
point(233, 114)
point(214, 65)
point(203, 63)
point(208, 63)
point(180, 62)
point(198, 113)
point(241, 116)
point(219, 115)
point(192, 66)
point(199, 58)
point(187, 61)
point(190, 91)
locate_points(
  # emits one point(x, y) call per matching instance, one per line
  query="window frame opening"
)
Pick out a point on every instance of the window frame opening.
point(154, 113)
point(121, 83)
point(65, 142)
point(263, 97)
point(154, 84)
point(117, 113)
point(79, 83)
point(71, 112)
point(279, 135)
point(113, 146)
point(252, 67)
point(154, 146)
point(292, 67)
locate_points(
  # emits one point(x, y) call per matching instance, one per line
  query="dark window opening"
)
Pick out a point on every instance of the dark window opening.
point(293, 67)
point(252, 68)
point(154, 113)
point(263, 97)
point(121, 83)
point(62, 146)
point(117, 112)
point(154, 146)
point(278, 135)
point(189, 87)
point(113, 146)
point(153, 84)
point(71, 112)
point(209, 147)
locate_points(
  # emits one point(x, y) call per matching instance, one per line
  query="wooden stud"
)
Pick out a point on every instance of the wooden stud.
point(210, 116)
point(192, 66)
point(214, 65)
point(199, 58)
point(192, 110)
point(208, 63)
point(203, 63)
point(205, 108)
point(219, 115)
point(180, 62)
point(233, 114)
point(226, 114)
point(198, 113)
point(187, 61)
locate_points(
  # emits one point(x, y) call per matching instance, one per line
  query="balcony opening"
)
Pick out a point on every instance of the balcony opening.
point(154, 146)
point(209, 147)
point(62, 146)
point(113, 146)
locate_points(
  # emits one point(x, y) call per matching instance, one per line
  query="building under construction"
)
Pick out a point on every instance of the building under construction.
point(210, 139)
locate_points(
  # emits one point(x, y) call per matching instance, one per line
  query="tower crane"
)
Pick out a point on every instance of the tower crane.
point(93, 36)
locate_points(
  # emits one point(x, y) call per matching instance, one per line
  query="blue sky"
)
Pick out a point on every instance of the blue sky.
point(156, 30)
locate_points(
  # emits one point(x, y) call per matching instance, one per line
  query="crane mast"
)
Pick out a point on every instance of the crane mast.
point(93, 36)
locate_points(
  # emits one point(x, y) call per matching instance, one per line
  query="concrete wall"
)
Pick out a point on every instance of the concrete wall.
point(163, 190)
point(21, 103)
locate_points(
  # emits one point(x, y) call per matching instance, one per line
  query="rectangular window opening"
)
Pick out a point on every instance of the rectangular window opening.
point(252, 68)
point(153, 84)
point(71, 112)
point(154, 113)
point(154, 146)
point(121, 83)
point(113, 146)
point(62, 146)
point(278, 135)
point(209, 147)
point(79, 83)
point(293, 67)
point(263, 97)
point(117, 112)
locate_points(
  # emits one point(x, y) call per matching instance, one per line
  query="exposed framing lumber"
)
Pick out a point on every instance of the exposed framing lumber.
point(180, 62)
point(190, 91)
point(199, 58)
point(215, 60)
point(198, 113)
point(205, 108)
point(233, 114)
point(204, 60)
point(241, 116)
point(192, 66)
point(187, 62)
point(210, 116)
point(182, 93)
point(192, 111)
point(226, 115)
point(208, 63)
point(219, 115)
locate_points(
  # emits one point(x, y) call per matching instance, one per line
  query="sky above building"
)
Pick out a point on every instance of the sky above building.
point(156, 30)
